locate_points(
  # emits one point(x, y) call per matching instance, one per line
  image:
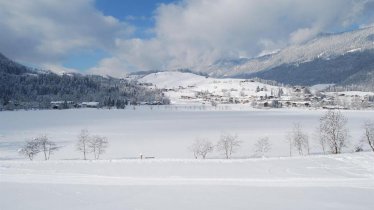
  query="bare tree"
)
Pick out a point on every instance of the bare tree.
point(323, 142)
point(83, 141)
point(30, 149)
point(369, 133)
point(290, 142)
point(299, 139)
point(201, 147)
point(228, 144)
point(46, 146)
point(97, 145)
point(213, 103)
point(333, 131)
point(262, 146)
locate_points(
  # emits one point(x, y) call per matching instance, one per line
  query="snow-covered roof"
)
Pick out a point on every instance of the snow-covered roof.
point(91, 103)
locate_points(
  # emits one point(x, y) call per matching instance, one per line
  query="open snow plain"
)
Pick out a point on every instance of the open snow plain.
point(173, 180)
point(315, 182)
point(164, 132)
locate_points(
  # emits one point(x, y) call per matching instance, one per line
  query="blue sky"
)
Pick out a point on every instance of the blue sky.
point(138, 13)
point(114, 37)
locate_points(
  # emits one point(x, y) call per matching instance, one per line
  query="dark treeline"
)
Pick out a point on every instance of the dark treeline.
point(25, 88)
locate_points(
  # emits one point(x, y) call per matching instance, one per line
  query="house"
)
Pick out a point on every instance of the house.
point(91, 104)
point(62, 104)
point(187, 97)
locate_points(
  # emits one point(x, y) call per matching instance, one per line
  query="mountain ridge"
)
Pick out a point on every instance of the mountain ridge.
point(326, 47)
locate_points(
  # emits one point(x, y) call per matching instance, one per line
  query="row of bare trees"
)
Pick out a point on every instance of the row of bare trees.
point(333, 136)
point(332, 132)
point(86, 144)
point(228, 144)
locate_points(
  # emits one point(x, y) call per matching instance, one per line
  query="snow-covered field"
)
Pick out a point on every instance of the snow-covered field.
point(163, 132)
point(173, 180)
point(315, 182)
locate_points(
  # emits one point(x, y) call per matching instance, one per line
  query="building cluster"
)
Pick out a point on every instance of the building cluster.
point(288, 97)
point(72, 104)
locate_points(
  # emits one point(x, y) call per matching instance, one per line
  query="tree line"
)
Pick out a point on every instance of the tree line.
point(228, 144)
point(25, 88)
point(333, 136)
point(86, 144)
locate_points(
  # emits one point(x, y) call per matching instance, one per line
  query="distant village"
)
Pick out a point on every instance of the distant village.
point(262, 96)
point(267, 96)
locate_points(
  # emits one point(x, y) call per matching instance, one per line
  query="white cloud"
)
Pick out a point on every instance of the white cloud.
point(303, 34)
point(198, 32)
point(46, 31)
point(110, 66)
point(190, 33)
point(57, 68)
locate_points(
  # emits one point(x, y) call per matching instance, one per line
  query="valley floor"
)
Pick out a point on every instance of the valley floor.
point(165, 132)
point(315, 182)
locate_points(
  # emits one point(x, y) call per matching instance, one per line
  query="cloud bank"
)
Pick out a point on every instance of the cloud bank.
point(46, 31)
point(187, 34)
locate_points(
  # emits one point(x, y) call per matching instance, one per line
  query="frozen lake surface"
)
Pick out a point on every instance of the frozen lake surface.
point(163, 132)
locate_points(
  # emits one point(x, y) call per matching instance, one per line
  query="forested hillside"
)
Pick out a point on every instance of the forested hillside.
point(23, 88)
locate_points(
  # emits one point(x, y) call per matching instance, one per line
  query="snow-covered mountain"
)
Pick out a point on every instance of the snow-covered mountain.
point(325, 53)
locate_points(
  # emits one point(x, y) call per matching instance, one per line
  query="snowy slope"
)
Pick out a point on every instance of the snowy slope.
point(324, 46)
point(174, 79)
point(187, 84)
point(315, 182)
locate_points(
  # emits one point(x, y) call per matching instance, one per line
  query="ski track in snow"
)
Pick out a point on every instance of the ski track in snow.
point(351, 170)
point(343, 182)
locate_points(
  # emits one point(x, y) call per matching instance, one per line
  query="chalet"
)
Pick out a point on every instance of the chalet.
point(62, 104)
point(187, 97)
point(91, 104)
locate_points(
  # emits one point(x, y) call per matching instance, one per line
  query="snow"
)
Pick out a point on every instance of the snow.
point(352, 93)
point(174, 180)
point(174, 79)
point(320, 87)
point(188, 84)
point(164, 131)
point(354, 50)
point(326, 47)
point(314, 182)
point(90, 103)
